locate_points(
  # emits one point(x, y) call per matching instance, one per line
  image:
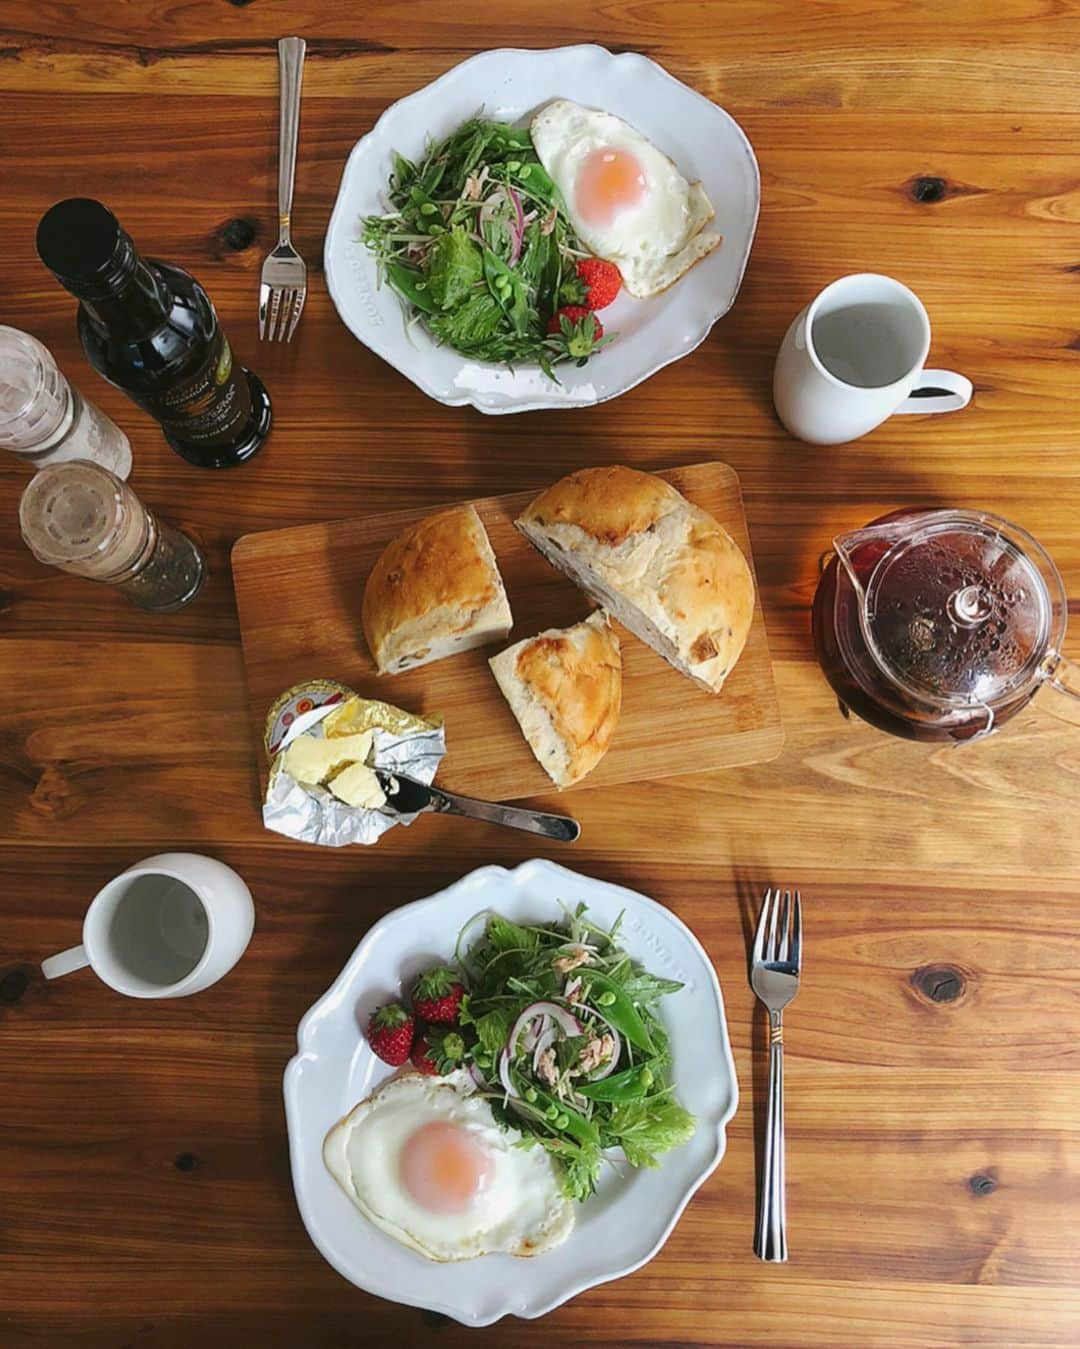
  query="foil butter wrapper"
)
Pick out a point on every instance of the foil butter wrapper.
point(401, 742)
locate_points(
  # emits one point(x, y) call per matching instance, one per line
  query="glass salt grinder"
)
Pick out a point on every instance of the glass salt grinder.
point(44, 419)
point(81, 518)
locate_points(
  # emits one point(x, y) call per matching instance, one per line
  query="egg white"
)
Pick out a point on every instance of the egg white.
point(652, 242)
point(521, 1210)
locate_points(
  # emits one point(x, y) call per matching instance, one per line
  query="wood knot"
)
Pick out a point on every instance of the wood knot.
point(12, 986)
point(240, 4)
point(939, 983)
point(237, 234)
point(54, 796)
point(928, 189)
point(186, 1161)
point(983, 1182)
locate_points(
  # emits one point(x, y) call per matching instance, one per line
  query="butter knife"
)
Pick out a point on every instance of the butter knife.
point(408, 796)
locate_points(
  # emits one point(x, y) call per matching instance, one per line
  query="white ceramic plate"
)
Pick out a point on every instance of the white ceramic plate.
point(702, 139)
point(627, 1221)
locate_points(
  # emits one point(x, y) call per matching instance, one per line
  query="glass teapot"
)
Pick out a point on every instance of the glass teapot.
point(942, 624)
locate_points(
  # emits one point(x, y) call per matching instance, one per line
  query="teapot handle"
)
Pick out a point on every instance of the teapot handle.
point(1063, 698)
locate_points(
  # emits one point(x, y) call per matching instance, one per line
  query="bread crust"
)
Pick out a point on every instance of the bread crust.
point(663, 566)
point(434, 584)
point(565, 688)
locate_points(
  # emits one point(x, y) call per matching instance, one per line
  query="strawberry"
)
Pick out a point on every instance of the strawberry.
point(437, 996)
point(595, 284)
point(390, 1033)
point(438, 1050)
point(575, 331)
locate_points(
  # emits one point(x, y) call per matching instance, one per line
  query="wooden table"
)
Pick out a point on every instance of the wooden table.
point(932, 1084)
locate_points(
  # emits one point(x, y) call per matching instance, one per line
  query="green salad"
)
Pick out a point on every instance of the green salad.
point(563, 1035)
point(477, 245)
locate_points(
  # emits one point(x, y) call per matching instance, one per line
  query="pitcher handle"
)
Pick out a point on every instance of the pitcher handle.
point(1062, 699)
point(66, 962)
point(938, 391)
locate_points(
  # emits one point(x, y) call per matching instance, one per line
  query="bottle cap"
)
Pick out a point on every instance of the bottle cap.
point(82, 244)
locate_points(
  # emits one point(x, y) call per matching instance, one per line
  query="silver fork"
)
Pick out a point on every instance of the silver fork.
point(283, 288)
point(774, 977)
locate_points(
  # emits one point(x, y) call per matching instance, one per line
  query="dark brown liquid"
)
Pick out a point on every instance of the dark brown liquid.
point(875, 697)
point(160, 341)
point(151, 330)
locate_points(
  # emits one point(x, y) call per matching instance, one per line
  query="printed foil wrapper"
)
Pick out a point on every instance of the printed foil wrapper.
point(314, 814)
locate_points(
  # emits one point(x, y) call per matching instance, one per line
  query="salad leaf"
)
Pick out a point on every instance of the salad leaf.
point(503, 935)
point(642, 987)
point(647, 1129)
point(471, 325)
point(579, 1164)
point(454, 267)
point(492, 1030)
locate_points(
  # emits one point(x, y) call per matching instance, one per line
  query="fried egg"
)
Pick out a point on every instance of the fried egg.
point(627, 201)
point(427, 1162)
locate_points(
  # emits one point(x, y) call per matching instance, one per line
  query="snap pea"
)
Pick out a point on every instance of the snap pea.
point(577, 1126)
point(620, 1011)
point(410, 283)
point(630, 1085)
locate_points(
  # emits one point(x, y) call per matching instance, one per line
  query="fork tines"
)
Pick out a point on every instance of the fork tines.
point(778, 939)
point(280, 308)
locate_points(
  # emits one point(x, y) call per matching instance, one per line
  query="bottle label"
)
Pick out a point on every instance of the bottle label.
point(208, 408)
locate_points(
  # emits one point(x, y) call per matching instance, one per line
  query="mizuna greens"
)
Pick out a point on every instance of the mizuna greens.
point(565, 1039)
point(477, 246)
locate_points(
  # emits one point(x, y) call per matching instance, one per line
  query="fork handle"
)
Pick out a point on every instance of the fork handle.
point(291, 77)
point(770, 1239)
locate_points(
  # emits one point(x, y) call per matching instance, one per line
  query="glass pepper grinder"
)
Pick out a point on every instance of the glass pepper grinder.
point(46, 420)
point(81, 518)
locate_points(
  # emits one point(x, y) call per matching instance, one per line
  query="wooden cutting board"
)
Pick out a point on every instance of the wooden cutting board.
point(298, 592)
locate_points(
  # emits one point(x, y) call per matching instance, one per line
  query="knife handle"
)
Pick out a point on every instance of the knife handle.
point(559, 827)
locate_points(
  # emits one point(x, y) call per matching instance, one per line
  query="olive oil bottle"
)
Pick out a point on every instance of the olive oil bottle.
point(150, 329)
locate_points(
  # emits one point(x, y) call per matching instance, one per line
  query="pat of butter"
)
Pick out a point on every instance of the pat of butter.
point(357, 785)
point(311, 760)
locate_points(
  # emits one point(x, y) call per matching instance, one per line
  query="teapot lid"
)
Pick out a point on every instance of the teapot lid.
point(957, 612)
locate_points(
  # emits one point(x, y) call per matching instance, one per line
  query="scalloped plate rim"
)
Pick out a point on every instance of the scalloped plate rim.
point(415, 375)
point(474, 881)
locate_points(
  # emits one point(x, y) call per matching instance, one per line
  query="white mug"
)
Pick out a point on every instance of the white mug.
point(169, 926)
point(854, 356)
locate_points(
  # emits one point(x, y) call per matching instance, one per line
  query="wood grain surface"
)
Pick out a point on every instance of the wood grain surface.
point(933, 1084)
point(298, 592)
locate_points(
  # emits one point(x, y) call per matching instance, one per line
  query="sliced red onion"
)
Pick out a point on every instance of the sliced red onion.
point(568, 1022)
point(477, 1076)
point(518, 232)
point(572, 989)
point(543, 1044)
point(504, 1073)
point(534, 1030)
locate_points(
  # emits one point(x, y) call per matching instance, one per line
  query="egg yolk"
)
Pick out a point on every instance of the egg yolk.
point(608, 181)
point(443, 1168)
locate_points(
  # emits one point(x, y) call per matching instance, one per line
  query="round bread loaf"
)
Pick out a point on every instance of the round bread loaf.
point(661, 565)
point(435, 591)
